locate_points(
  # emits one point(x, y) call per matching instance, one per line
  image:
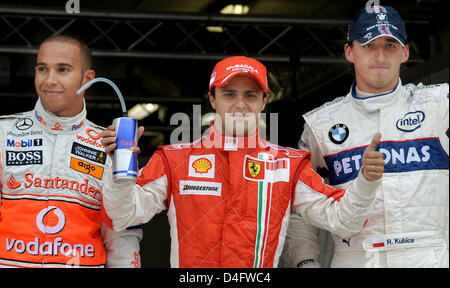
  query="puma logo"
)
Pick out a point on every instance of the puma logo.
point(346, 241)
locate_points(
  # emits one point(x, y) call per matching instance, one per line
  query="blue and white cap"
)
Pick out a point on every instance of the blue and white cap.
point(376, 21)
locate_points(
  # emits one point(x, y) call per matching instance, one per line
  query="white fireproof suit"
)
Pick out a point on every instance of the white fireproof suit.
point(51, 211)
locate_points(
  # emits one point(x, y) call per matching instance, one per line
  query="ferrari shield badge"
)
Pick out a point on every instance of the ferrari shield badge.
point(254, 168)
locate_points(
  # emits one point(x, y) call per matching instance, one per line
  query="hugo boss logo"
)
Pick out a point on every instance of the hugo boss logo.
point(18, 158)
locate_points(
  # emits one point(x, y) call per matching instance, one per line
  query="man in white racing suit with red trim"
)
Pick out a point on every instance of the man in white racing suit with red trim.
point(51, 174)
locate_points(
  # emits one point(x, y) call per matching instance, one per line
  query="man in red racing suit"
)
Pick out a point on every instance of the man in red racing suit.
point(229, 194)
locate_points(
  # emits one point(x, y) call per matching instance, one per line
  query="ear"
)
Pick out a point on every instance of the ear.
point(348, 53)
point(265, 101)
point(405, 55)
point(88, 76)
point(212, 100)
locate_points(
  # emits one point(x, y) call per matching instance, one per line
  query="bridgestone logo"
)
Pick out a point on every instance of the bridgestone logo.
point(200, 188)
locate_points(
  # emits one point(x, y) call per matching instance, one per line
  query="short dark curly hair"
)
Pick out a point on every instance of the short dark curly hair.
point(85, 51)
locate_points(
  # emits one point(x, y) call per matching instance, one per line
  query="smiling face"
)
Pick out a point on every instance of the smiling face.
point(58, 75)
point(377, 63)
point(238, 104)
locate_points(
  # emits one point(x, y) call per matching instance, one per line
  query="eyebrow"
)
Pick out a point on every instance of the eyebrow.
point(233, 90)
point(59, 64)
point(392, 40)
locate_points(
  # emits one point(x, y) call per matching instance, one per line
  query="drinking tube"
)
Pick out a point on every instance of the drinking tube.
point(101, 79)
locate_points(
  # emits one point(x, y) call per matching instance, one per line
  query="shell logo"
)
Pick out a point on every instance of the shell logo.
point(202, 165)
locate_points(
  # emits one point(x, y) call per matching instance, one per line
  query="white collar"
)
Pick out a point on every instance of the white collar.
point(57, 125)
point(372, 102)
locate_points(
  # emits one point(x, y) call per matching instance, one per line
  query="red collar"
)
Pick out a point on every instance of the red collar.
point(230, 143)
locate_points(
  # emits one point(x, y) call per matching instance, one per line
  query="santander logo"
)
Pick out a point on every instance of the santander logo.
point(12, 183)
point(56, 183)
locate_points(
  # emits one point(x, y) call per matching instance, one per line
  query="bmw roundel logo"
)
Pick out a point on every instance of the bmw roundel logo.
point(338, 133)
point(381, 17)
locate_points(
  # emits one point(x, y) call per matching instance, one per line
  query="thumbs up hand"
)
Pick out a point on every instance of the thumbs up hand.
point(373, 162)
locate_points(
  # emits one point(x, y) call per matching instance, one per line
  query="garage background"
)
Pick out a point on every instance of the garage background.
point(161, 53)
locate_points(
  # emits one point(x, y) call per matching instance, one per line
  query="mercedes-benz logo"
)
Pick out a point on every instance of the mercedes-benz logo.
point(24, 123)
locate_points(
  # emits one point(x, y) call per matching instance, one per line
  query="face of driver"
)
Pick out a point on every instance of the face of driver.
point(58, 75)
point(238, 104)
point(377, 63)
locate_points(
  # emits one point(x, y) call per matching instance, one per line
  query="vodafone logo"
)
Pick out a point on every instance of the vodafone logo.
point(38, 246)
point(90, 141)
point(50, 229)
point(93, 134)
point(57, 127)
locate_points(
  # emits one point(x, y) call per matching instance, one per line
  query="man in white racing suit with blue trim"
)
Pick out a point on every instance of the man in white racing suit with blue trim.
point(409, 223)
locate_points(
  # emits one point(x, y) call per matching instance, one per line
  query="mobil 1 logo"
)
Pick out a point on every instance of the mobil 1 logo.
point(18, 158)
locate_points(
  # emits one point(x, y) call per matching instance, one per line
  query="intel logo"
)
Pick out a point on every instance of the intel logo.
point(411, 121)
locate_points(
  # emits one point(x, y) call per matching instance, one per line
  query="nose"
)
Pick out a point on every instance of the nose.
point(380, 55)
point(51, 78)
point(240, 101)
